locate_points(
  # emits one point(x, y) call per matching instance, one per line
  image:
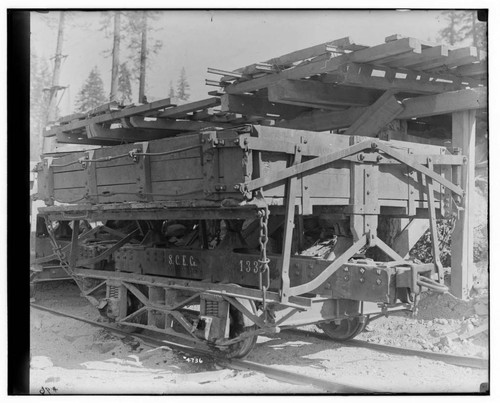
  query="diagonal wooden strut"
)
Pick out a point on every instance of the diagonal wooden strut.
point(433, 226)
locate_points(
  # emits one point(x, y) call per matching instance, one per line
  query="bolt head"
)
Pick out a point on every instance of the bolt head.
point(346, 268)
point(361, 280)
point(379, 281)
point(346, 278)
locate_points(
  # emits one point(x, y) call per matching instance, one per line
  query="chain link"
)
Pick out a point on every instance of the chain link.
point(263, 239)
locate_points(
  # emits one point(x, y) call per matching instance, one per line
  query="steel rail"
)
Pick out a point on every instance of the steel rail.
point(236, 364)
point(459, 360)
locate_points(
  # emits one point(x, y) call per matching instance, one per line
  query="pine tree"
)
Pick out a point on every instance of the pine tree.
point(451, 34)
point(92, 92)
point(474, 31)
point(124, 85)
point(183, 86)
point(171, 92)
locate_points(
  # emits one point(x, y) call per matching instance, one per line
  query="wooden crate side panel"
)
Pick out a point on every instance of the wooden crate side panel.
point(179, 169)
point(231, 170)
point(69, 180)
point(178, 190)
point(119, 193)
point(124, 174)
point(73, 195)
point(66, 160)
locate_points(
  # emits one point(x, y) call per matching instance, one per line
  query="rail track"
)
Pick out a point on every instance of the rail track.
point(236, 364)
point(463, 361)
point(279, 374)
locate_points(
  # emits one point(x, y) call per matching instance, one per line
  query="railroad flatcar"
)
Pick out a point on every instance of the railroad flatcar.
point(223, 235)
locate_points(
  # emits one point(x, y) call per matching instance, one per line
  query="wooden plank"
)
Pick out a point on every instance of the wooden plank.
point(110, 116)
point(183, 110)
point(75, 138)
point(181, 169)
point(409, 232)
point(427, 105)
point(124, 174)
point(256, 106)
point(182, 189)
point(322, 120)
point(321, 67)
point(363, 75)
point(175, 125)
point(456, 57)
point(464, 137)
point(428, 55)
point(66, 180)
point(298, 55)
point(456, 101)
point(475, 69)
point(128, 135)
point(376, 116)
point(318, 95)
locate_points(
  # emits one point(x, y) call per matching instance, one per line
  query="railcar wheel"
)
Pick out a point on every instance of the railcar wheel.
point(347, 329)
point(237, 327)
point(133, 304)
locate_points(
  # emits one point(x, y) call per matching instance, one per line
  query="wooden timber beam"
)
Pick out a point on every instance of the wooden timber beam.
point(462, 241)
point(456, 57)
point(77, 138)
point(376, 116)
point(386, 78)
point(290, 58)
point(99, 132)
point(256, 106)
point(183, 110)
point(428, 55)
point(318, 95)
point(110, 116)
point(427, 105)
point(176, 125)
point(475, 69)
point(449, 102)
point(320, 67)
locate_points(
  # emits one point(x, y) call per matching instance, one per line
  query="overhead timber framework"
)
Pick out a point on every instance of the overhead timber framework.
point(403, 89)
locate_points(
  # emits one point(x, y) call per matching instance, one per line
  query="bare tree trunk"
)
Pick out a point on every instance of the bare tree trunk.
point(116, 59)
point(142, 77)
point(54, 89)
point(474, 29)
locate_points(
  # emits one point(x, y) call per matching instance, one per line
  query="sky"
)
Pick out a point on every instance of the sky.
point(221, 39)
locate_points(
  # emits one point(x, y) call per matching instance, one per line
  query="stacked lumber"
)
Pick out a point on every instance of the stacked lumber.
point(336, 85)
point(112, 124)
point(340, 84)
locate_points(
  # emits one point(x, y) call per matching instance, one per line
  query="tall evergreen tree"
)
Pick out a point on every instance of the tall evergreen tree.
point(124, 85)
point(183, 86)
point(171, 92)
point(452, 32)
point(92, 94)
point(40, 82)
point(473, 30)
